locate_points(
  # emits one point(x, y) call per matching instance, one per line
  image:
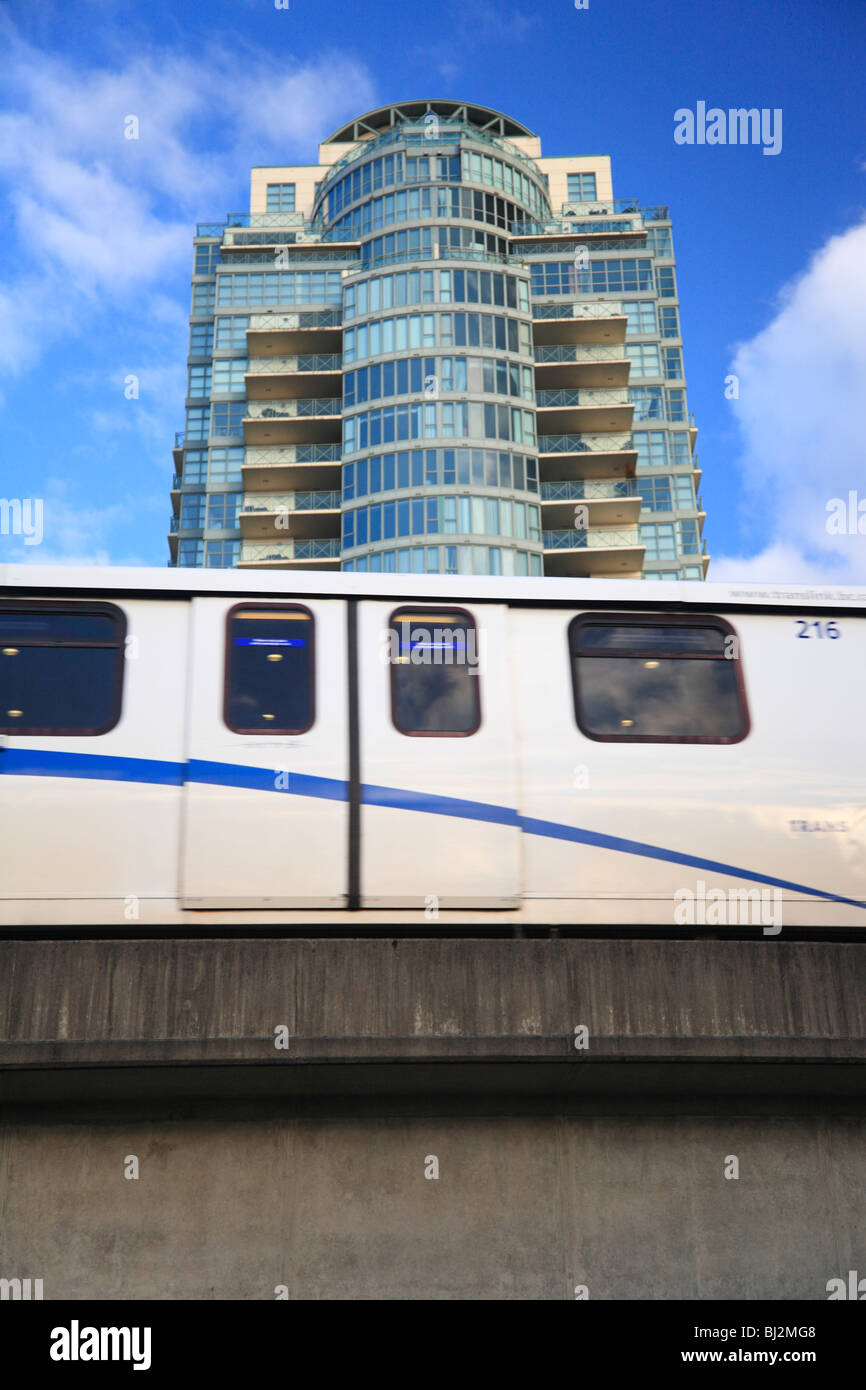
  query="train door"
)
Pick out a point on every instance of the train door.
point(266, 798)
point(437, 757)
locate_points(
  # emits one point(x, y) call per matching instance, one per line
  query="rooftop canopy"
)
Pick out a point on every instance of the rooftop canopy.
point(374, 122)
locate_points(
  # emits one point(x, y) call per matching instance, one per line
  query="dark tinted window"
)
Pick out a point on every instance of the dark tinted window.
point(667, 681)
point(434, 672)
point(270, 670)
point(61, 669)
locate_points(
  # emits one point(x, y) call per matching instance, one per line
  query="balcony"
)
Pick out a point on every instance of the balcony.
point(527, 229)
point(311, 374)
point(289, 554)
point(276, 334)
point(304, 420)
point(596, 321)
point(605, 502)
point(564, 457)
point(613, 207)
point(564, 411)
point(305, 466)
point(588, 490)
point(305, 230)
point(306, 362)
point(314, 251)
point(593, 553)
point(564, 237)
point(560, 365)
point(316, 501)
point(290, 515)
point(298, 406)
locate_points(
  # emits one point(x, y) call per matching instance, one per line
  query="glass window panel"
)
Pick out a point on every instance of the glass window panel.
point(269, 670)
point(47, 685)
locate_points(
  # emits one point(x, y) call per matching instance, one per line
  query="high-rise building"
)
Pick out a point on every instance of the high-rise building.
point(438, 351)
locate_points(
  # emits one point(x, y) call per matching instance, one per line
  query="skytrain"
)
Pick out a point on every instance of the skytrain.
point(238, 748)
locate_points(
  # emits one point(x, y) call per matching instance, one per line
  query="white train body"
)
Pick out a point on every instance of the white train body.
point(170, 817)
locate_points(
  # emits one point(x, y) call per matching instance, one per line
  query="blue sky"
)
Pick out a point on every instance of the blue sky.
point(771, 250)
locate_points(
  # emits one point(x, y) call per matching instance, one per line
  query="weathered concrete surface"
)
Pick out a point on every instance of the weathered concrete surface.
point(635, 1207)
point(120, 1003)
point(557, 1167)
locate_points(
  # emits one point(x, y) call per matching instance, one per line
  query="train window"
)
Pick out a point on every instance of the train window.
point(61, 668)
point(270, 658)
point(434, 673)
point(657, 679)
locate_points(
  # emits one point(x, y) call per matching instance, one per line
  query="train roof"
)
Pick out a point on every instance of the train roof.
point(117, 581)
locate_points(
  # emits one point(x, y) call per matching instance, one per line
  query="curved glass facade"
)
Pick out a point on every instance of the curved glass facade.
point(412, 385)
point(438, 350)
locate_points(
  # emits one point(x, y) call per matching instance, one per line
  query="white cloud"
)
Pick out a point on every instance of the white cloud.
point(802, 413)
point(100, 218)
point(69, 532)
point(98, 246)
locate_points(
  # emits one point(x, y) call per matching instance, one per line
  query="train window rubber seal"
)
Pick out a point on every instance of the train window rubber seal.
point(639, 619)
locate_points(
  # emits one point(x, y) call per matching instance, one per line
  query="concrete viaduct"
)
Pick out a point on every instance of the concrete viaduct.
point(419, 1118)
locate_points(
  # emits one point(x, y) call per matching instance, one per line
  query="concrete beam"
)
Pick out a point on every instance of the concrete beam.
point(177, 1003)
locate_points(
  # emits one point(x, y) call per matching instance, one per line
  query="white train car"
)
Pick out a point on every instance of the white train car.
point(203, 748)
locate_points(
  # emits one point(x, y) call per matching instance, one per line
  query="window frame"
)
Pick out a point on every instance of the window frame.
point(82, 609)
point(282, 607)
point(642, 619)
point(433, 733)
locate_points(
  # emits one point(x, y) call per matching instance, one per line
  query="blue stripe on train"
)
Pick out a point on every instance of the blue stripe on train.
point(36, 762)
point(39, 762)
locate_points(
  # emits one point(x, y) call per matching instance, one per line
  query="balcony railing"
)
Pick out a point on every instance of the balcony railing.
point(316, 501)
point(311, 362)
point(318, 453)
point(307, 253)
point(281, 322)
point(612, 206)
point(291, 410)
point(292, 550)
point(582, 443)
point(294, 453)
point(570, 352)
point(529, 228)
point(178, 440)
point(316, 229)
point(589, 540)
point(551, 247)
point(547, 400)
point(586, 491)
point(594, 310)
point(174, 525)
